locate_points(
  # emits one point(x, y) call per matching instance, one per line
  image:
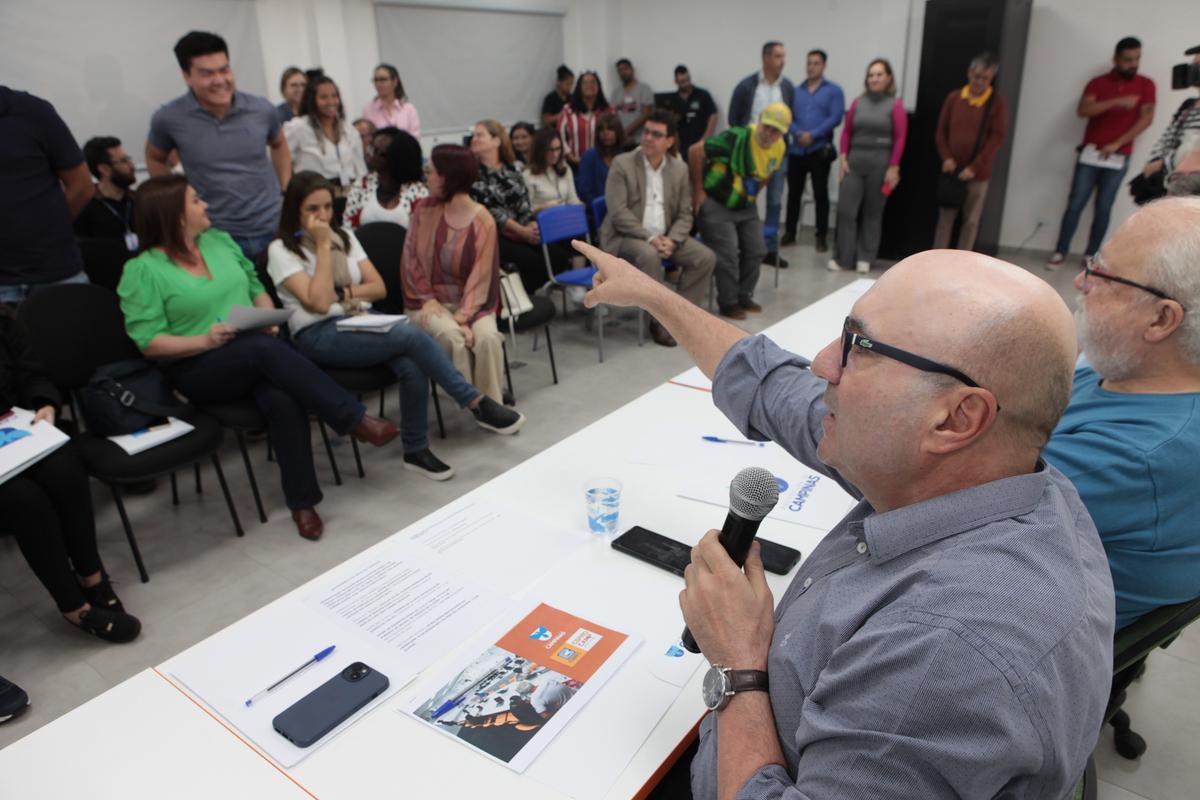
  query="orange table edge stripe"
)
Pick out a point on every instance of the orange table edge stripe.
point(689, 386)
point(220, 722)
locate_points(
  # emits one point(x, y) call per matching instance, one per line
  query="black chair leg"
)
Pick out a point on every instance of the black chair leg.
point(137, 554)
point(357, 457)
point(237, 523)
point(550, 350)
point(382, 394)
point(241, 439)
point(437, 409)
point(174, 490)
point(508, 373)
point(199, 489)
point(1129, 743)
point(337, 475)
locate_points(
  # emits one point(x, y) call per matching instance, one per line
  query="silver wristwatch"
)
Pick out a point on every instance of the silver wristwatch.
point(722, 683)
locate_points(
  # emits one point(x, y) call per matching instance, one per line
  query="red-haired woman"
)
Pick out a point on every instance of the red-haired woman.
point(450, 270)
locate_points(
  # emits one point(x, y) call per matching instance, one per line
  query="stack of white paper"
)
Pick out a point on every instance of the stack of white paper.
point(245, 318)
point(23, 444)
point(371, 323)
point(139, 441)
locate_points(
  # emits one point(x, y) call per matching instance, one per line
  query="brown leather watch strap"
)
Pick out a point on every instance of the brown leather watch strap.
point(747, 680)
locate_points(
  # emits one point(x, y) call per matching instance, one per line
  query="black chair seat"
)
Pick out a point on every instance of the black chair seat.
point(362, 380)
point(537, 317)
point(244, 415)
point(109, 463)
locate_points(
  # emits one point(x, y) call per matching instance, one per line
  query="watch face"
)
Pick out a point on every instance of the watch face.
point(716, 684)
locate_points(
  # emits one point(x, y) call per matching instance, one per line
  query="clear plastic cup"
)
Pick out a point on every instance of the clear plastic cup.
point(603, 496)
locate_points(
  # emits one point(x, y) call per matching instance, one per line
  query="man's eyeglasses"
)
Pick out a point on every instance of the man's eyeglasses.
point(851, 339)
point(654, 134)
point(1090, 271)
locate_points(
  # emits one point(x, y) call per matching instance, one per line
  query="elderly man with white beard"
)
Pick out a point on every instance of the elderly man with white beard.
point(1130, 437)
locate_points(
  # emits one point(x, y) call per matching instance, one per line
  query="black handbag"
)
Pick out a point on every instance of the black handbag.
point(828, 153)
point(952, 192)
point(128, 396)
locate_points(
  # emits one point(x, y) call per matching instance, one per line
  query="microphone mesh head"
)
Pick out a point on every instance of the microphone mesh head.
point(753, 492)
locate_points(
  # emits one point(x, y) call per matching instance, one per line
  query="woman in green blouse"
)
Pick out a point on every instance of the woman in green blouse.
point(175, 297)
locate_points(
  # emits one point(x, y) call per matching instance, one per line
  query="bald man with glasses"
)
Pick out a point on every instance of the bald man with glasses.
point(1130, 438)
point(952, 636)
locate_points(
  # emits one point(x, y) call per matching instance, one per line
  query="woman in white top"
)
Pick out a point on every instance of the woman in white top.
point(548, 177)
point(401, 183)
point(322, 141)
point(322, 272)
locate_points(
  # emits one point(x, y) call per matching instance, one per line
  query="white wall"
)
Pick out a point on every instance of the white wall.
point(1070, 42)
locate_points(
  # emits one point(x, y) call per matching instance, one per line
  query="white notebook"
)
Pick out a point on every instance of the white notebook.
point(371, 323)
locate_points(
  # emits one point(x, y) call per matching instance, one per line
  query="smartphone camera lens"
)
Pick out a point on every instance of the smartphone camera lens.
point(356, 671)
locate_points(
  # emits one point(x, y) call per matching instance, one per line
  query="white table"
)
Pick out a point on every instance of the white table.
point(158, 741)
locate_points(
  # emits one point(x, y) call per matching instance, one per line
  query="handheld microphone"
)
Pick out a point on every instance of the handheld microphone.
point(753, 492)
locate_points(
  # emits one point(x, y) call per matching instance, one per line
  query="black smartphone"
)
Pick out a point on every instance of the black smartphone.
point(330, 704)
point(673, 556)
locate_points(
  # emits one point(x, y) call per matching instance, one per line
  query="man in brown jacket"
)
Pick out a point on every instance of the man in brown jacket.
point(958, 131)
point(649, 218)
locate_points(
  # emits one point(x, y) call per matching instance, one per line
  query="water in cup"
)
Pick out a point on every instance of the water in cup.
point(603, 506)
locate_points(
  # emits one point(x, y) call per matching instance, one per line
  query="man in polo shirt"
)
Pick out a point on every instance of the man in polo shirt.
point(633, 101)
point(223, 137)
point(728, 171)
point(697, 110)
point(753, 94)
point(109, 215)
point(43, 186)
point(952, 636)
point(1118, 106)
point(817, 110)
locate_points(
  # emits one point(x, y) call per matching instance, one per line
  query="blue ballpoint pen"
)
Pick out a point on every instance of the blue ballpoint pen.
point(318, 657)
point(719, 440)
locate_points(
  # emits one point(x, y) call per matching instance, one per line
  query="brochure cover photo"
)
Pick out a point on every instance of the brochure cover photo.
point(514, 695)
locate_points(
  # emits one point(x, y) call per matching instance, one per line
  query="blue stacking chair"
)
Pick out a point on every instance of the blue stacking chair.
point(558, 224)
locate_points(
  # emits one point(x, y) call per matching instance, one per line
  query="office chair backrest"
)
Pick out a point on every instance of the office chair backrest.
point(384, 244)
point(1152, 630)
point(562, 222)
point(599, 210)
point(76, 328)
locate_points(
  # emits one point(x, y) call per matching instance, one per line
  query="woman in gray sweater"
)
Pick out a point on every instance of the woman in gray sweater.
point(871, 146)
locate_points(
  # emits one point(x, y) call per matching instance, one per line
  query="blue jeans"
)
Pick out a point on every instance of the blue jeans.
point(254, 246)
point(775, 205)
point(408, 351)
point(15, 295)
point(284, 385)
point(1105, 183)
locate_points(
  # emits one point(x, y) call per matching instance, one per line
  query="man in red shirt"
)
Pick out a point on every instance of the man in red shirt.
point(1118, 106)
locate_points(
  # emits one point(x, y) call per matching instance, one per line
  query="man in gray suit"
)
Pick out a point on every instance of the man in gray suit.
point(650, 215)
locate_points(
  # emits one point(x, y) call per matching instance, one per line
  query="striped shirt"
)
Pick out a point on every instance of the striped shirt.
point(455, 266)
point(956, 647)
point(1181, 136)
point(578, 130)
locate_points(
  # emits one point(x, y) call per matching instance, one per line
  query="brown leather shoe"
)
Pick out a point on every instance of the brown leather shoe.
point(308, 523)
point(733, 312)
point(750, 306)
point(661, 335)
point(375, 430)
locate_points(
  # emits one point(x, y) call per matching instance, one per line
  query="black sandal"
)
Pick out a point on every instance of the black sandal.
point(111, 626)
point(102, 596)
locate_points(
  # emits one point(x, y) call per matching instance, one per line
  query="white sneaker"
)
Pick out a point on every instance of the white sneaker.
point(575, 295)
point(862, 267)
point(1055, 261)
point(832, 265)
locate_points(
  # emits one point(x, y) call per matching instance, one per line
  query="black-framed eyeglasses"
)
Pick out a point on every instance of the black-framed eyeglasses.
point(851, 339)
point(1089, 271)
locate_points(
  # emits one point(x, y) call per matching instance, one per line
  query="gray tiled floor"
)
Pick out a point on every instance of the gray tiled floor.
point(203, 578)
